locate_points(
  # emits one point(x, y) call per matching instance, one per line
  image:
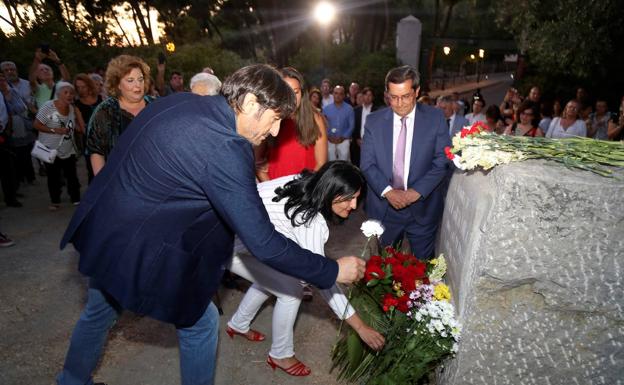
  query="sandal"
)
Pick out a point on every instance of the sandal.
point(299, 369)
point(253, 335)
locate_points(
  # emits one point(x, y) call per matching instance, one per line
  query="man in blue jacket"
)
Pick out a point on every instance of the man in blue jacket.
point(404, 164)
point(157, 224)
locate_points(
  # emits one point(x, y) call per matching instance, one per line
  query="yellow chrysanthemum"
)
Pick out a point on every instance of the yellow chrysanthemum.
point(441, 292)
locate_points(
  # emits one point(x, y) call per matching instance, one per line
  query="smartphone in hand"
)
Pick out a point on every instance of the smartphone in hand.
point(161, 58)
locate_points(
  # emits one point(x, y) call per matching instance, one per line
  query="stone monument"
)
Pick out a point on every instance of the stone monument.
point(536, 262)
point(409, 30)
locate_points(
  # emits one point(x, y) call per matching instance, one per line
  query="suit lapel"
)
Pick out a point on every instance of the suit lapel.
point(420, 131)
point(386, 138)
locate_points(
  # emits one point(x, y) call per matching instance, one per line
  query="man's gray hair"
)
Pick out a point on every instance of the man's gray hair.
point(7, 63)
point(96, 77)
point(205, 84)
point(446, 99)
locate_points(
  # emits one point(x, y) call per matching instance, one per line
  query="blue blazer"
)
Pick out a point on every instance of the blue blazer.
point(428, 165)
point(157, 224)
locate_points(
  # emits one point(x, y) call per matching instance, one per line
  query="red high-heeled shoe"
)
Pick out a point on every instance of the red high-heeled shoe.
point(253, 335)
point(299, 369)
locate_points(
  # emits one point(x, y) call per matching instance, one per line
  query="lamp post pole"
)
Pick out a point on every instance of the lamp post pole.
point(324, 13)
point(480, 64)
point(447, 51)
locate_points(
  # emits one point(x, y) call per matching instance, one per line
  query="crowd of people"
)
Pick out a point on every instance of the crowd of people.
point(314, 152)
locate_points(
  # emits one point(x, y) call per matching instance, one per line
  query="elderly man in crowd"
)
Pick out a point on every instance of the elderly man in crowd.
point(41, 76)
point(205, 84)
point(154, 239)
point(21, 85)
point(454, 121)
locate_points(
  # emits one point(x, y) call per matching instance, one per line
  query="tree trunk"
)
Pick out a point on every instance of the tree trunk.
point(13, 22)
point(447, 18)
point(122, 30)
point(57, 10)
point(138, 27)
point(138, 14)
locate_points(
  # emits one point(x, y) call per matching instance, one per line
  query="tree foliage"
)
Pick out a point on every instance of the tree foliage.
point(568, 40)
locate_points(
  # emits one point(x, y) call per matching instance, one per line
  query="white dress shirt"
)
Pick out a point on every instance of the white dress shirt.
point(365, 111)
point(327, 101)
point(472, 118)
point(396, 129)
point(451, 122)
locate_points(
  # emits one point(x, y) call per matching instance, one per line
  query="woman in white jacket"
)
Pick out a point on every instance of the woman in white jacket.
point(299, 207)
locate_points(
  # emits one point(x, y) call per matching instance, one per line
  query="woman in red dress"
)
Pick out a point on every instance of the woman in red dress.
point(302, 140)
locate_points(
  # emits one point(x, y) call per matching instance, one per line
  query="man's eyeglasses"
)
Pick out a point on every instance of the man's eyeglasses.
point(403, 98)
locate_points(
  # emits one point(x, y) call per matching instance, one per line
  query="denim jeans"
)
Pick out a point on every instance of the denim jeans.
point(198, 343)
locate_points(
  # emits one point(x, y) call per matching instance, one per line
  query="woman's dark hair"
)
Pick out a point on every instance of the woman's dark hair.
point(547, 108)
point(314, 192)
point(493, 112)
point(529, 105)
point(402, 74)
point(307, 129)
point(263, 81)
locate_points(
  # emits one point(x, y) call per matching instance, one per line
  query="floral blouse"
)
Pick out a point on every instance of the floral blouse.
point(107, 123)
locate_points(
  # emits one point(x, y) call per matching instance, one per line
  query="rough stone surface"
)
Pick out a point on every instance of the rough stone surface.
point(535, 255)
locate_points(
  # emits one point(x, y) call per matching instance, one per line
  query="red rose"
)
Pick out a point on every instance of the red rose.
point(402, 304)
point(389, 301)
point(391, 261)
point(375, 260)
point(373, 272)
point(449, 154)
point(464, 132)
point(390, 250)
point(480, 126)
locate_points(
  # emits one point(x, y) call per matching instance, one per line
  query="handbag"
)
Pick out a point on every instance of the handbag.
point(45, 153)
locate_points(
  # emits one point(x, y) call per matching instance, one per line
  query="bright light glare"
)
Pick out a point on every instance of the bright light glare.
point(324, 12)
point(472, 56)
point(447, 50)
point(481, 53)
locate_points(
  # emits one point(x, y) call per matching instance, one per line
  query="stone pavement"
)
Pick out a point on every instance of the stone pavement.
point(42, 294)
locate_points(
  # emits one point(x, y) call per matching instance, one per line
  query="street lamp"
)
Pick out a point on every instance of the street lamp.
point(479, 67)
point(324, 13)
point(447, 50)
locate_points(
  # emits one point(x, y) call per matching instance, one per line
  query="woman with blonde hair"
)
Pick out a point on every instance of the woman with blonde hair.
point(127, 83)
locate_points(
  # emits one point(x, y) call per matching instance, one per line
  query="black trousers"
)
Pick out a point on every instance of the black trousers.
point(68, 169)
point(24, 170)
point(7, 173)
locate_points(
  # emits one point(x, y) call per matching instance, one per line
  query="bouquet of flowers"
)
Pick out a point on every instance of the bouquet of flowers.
point(405, 299)
point(475, 147)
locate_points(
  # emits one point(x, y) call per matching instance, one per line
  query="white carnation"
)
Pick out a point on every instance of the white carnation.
point(372, 228)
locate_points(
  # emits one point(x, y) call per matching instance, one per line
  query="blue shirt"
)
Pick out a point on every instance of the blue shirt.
point(340, 120)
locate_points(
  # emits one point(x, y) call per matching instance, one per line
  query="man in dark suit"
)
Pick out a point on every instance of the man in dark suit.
point(404, 164)
point(157, 224)
point(454, 121)
point(361, 112)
